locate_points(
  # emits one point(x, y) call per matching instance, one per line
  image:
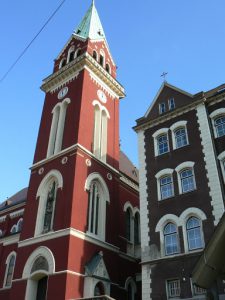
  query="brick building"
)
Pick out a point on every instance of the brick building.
point(75, 233)
point(182, 176)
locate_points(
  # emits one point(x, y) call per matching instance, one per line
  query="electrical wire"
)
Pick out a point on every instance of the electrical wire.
point(31, 42)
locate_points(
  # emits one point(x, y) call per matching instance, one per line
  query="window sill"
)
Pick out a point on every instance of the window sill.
point(164, 199)
point(174, 149)
point(185, 193)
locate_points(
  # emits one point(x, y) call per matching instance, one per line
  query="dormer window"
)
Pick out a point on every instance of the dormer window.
point(95, 55)
point(101, 60)
point(171, 103)
point(162, 108)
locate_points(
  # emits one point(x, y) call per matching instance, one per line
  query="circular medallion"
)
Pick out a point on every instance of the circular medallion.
point(88, 162)
point(62, 93)
point(109, 176)
point(64, 160)
point(101, 96)
point(41, 171)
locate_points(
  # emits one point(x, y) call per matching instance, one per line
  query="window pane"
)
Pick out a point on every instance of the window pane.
point(163, 145)
point(173, 288)
point(166, 187)
point(220, 126)
point(194, 234)
point(170, 239)
point(187, 180)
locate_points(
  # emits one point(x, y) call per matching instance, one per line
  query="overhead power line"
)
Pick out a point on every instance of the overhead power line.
point(31, 42)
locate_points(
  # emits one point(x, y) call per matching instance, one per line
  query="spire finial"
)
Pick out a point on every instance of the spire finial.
point(93, 3)
point(164, 76)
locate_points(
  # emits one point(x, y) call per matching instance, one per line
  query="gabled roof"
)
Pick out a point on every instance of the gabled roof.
point(18, 198)
point(96, 267)
point(164, 84)
point(91, 26)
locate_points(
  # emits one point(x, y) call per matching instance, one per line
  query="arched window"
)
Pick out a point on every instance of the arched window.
point(194, 233)
point(137, 229)
point(180, 137)
point(163, 144)
point(102, 58)
point(220, 126)
point(10, 265)
point(187, 180)
point(47, 196)
point(98, 196)
point(171, 239)
point(166, 187)
point(100, 131)
point(128, 224)
point(95, 56)
point(78, 53)
point(99, 289)
point(62, 63)
point(131, 288)
point(13, 229)
point(19, 225)
point(57, 127)
point(107, 67)
point(71, 53)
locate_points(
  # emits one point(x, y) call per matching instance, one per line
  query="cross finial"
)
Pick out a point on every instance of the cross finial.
point(164, 76)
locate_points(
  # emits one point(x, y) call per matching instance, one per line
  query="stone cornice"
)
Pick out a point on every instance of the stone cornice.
point(71, 70)
point(13, 207)
point(17, 213)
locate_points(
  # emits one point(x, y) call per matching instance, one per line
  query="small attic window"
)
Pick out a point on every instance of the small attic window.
point(162, 108)
point(101, 60)
point(78, 31)
point(107, 67)
point(171, 103)
point(95, 55)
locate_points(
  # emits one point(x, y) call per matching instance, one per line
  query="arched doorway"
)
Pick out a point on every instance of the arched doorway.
point(99, 289)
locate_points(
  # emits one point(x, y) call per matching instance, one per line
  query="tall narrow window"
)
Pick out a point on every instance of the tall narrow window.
point(49, 210)
point(166, 187)
point(100, 132)
point(220, 126)
point(128, 224)
point(180, 137)
point(137, 229)
point(162, 108)
point(171, 239)
point(171, 103)
point(107, 67)
point(94, 208)
point(9, 270)
point(194, 234)
point(163, 144)
point(53, 132)
point(101, 60)
point(42, 288)
point(187, 180)
point(95, 55)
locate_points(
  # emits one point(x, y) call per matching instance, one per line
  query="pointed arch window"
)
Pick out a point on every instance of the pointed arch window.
point(171, 239)
point(57, 128)
point(71, 54)
point(95, 56)
point(107, 67)
point(10, 265)
point(62, 63)
point(137, 229)
point(100, 131)
point(47, 196)
point(77, 53)
point(128, 224)
point(97, 198)
point(194, 234)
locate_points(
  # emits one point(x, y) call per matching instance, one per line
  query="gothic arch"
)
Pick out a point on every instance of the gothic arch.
point(98, 177)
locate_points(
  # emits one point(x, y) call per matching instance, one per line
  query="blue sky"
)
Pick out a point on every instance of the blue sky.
point(146, 37)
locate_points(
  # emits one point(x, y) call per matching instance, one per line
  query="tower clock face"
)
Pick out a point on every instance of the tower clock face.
point(102, 96)
point(62, 93)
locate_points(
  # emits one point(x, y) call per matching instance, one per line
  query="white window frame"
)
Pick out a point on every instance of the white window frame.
point(158, 176)
point(179, 169)
point(130, 282)
point(169, 103)
point(155, 136)
point(169, 218)
point(201, 233)
point(184, 217)
point(101, 116)
point(214, 115)
point(104, 198)
point(174, 128)
point(7, 269)
point(57, 127)
point(221, 158)
point(72, 49)
point(161, 105)
point(167, 288)
point(177, 236)
point(42, 193)
point(76, 52)
point(61, 62)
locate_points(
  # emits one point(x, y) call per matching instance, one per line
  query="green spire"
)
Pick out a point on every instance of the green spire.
point(91, 27)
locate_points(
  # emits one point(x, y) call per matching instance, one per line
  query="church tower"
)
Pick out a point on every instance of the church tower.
point(81, 235)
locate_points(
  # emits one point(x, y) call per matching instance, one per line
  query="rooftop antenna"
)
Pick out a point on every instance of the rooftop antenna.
point(164, 76)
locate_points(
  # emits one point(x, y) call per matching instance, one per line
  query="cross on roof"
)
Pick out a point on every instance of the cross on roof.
point(164, 75)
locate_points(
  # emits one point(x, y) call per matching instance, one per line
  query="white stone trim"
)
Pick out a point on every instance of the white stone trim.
point(155, 136)
point(16, 214)
point(186, 214)
point(211, 164)
point(41, 251)
point(102, 108)
point(174, 127)
point(159, 175)
point(53, 173)
point(169, 218)
point(143, 191)
point(146, 282)
point(179, 168)
point(221, 158)
point(13, 253)
point(216, 113)
point(98, 177)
